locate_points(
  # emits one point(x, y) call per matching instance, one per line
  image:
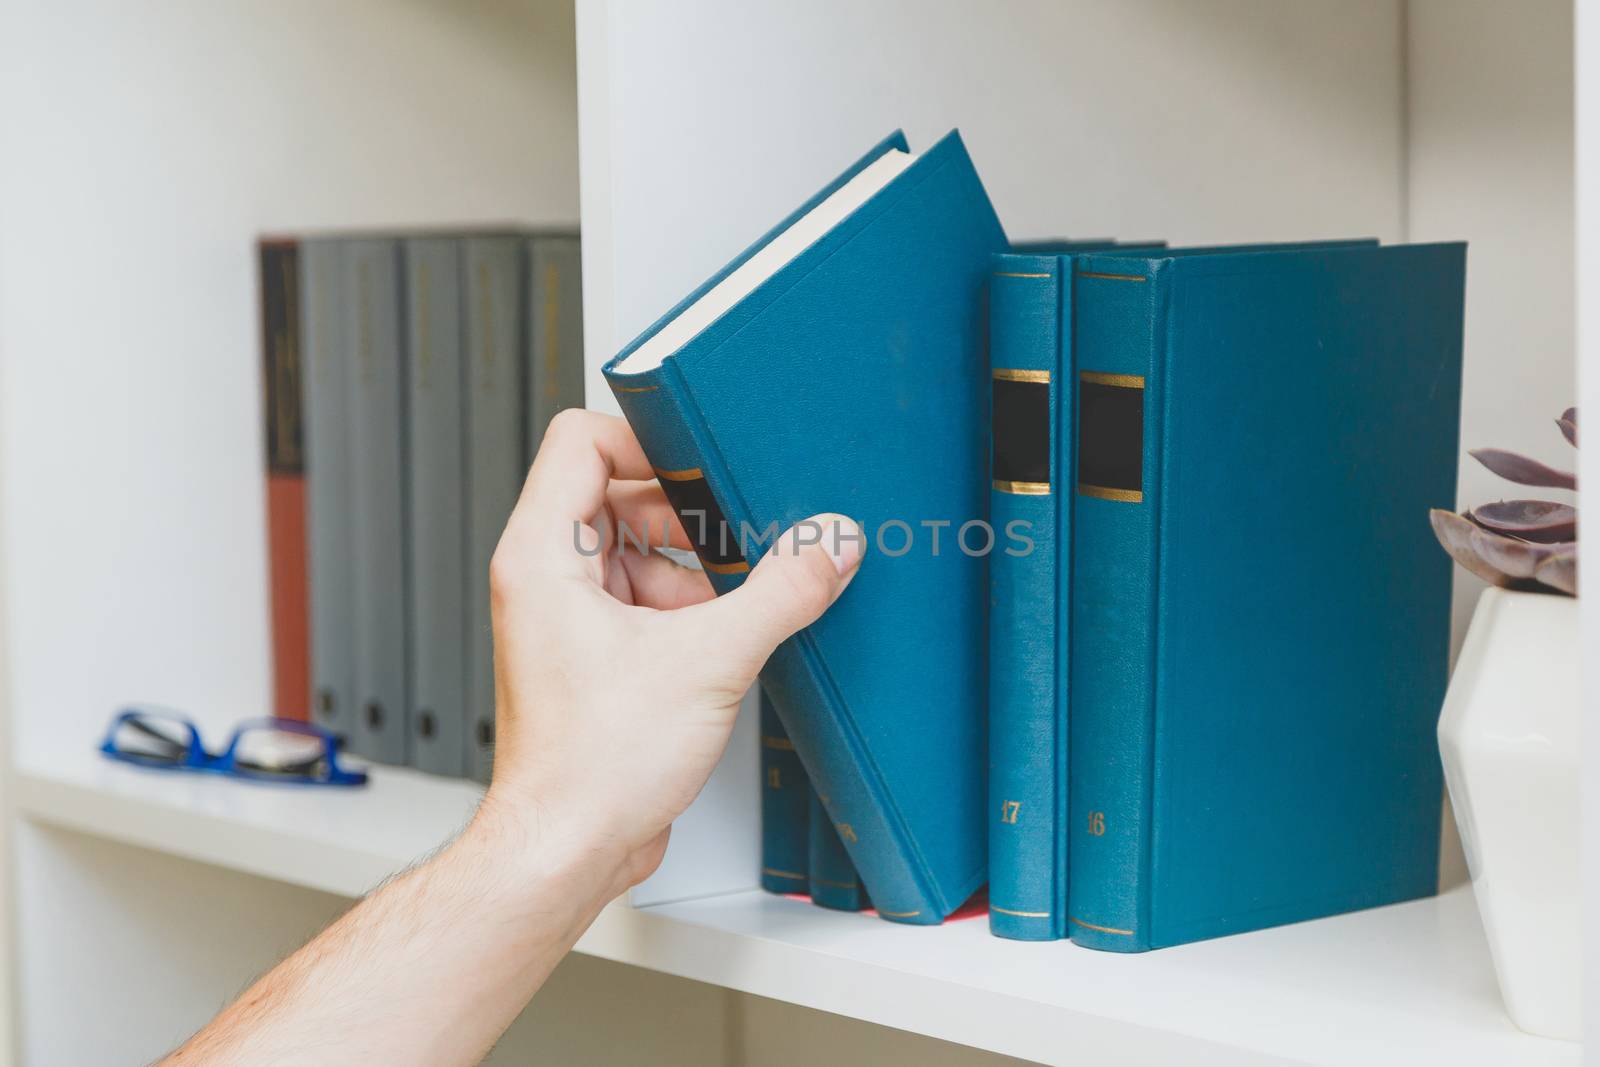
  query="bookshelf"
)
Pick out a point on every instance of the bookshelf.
point(1396, 985)
point(131, 553)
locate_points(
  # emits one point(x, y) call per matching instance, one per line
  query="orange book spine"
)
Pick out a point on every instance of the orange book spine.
point(286, 491)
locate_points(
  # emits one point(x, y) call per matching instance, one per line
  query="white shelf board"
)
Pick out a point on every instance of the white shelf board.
point(1405, 984)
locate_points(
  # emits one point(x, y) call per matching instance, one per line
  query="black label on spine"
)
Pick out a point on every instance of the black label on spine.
point(1021, 420)
point(715, 542)
point(280, 354)
point(1111, 436)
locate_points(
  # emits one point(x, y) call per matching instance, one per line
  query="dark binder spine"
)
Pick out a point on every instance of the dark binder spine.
point(785, 809)
point(662, 413)
point(1118, 309)
point(1027, 573)
point(834, 881)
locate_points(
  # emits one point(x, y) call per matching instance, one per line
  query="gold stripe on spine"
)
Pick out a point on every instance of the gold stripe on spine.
point(1020, 914)
point(1100, 492)
point(775, 873)
point(1102, 929)
point(783, 744)
point(692, 474)
point(1121, 381)
point(726, 568)
point(1010, 374)
point(1023, 488)
point(1111, 277)
point(1017, 274)
point(636, 388)
point(834, 885)
point(899, 914)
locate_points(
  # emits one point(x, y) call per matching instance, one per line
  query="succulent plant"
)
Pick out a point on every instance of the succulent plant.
point(1519, 544)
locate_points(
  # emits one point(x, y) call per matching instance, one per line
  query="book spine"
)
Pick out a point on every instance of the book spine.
point(283, 369)
point(375, 376)
point(330, 560)
point(1030, 376)
point(491, 287)
point(554, 375)
point(834, 881)
point(785, 808)
point(436, 549)
point(1117, 334)
point(659, 408)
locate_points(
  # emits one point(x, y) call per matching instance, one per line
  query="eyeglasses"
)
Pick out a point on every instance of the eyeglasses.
point(276, 750)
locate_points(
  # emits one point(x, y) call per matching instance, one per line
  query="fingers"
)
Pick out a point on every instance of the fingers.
point(566, 488)
point(580, 454)
point(658, 582)
point(642, 508)
point(796, 581)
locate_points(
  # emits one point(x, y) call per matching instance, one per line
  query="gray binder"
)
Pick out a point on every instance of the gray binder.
point(436, 546)
point(327, 444)
point(492, 288)
point(377, 504)
point(554, 378)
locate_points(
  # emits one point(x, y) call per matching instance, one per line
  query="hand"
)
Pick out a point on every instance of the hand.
point(618, 676)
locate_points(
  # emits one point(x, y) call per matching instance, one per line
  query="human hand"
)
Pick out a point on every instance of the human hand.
point(618, 675)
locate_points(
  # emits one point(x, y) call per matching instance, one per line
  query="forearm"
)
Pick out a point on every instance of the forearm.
point(431, 968)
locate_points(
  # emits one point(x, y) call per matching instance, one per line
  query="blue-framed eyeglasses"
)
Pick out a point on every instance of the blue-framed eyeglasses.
point(273, 750)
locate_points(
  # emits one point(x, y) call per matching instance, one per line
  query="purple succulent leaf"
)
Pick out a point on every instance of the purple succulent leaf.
point(1569, 426)
point(1523, 470)
point(1530, 520)
point(1560, 571)
point(1511, 556)
point(1455, 536)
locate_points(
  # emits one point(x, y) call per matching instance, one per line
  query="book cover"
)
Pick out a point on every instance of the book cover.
point(785, 809)
point(1030, 590)
point(553, 377)
point(326, 399)
point(838, 364)
point(282, 364)
point(1033, 391)
point(832, 880)
point(436, 473)
point(1260, 615)
point(374, 377)
point(492, 288)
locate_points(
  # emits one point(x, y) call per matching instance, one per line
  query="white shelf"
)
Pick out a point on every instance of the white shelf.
point(1405, 984)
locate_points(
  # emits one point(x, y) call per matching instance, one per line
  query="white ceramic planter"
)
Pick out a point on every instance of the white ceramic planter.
point(1509, 738)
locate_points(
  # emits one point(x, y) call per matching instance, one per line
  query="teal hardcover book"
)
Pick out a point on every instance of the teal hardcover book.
point(838, 366)
point(1030, 574)
point(834, 881)
point(1260, 615)
point(785, 809)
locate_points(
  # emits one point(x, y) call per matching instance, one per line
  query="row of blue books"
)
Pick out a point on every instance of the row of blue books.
point(409, 380)
point(1152, 634)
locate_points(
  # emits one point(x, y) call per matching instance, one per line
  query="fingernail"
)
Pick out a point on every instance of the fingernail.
point(845, 543)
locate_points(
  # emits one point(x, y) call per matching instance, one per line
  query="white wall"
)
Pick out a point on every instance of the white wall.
point(1490, 143)
point(1231, 120)
point(145, 146)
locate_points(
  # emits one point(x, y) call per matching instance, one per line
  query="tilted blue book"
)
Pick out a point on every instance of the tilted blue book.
point(842, 371)
point(1260, 615)
point(785, 809)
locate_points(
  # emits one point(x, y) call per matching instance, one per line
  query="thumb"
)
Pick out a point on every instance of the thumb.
point(801, 575)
